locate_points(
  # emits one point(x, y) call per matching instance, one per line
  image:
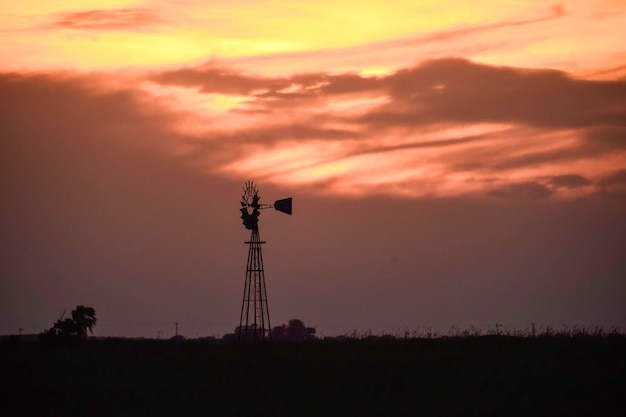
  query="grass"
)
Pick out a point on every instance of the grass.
point(551, 375)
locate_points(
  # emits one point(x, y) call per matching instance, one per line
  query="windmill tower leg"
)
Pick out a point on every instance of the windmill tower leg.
point(254, 322)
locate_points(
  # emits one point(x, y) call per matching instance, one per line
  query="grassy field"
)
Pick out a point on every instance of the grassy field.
point(488, 375)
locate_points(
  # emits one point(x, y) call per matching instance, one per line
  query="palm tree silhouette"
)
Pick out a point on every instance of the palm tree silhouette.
point(84, 318)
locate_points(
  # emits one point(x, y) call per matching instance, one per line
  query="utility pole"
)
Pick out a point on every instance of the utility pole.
point(176, 323)
point(159, 333)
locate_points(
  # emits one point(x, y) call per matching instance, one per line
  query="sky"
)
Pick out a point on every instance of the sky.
point(453, 164)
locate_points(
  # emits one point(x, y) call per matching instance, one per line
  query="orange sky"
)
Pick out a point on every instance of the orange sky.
point(244, 68)
point(451, 162)
point(576, 36)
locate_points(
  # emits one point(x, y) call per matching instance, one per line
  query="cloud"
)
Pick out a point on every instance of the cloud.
point(432, 129)
point(501, 35)
point(218, 80)
point(69, 139)
point(614, 178)
point(525, 191)
point(554, 12)
point(462, 91)
point(528, 158)
point(569, 181)
point(472, 125)
point(106, 19)
point(276, 92)
point(83, 109)
point(606, 137)
point(444, 90)
point(618, 71)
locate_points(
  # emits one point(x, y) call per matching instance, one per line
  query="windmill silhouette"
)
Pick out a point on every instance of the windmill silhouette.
point(254, 322)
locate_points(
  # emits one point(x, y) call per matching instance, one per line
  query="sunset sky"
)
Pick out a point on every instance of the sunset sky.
point(452, 163)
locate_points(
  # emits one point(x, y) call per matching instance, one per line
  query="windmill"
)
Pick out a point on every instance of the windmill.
point(254, 322)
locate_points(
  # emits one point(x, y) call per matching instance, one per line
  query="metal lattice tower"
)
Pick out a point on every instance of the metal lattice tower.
point(254, 321)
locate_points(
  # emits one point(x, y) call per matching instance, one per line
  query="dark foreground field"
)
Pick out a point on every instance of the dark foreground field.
point(499, 376)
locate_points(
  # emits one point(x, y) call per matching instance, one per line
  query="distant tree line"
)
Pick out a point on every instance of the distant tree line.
point(294, 331)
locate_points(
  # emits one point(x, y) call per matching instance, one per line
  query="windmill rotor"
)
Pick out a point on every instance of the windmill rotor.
point(250, 206)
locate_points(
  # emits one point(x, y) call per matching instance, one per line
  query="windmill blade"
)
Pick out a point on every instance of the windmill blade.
point(283, 205)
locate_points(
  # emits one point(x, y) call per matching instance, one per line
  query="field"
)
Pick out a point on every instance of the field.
point(488, 375)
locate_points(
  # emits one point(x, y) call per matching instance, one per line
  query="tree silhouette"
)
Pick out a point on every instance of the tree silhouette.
point(296, 331)
point(84, 318)
point(66, 328)
point(75, 328)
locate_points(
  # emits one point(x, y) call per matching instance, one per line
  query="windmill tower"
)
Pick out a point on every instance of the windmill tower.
point(254, 322)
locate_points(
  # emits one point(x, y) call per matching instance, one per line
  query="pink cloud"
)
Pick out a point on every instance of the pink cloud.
point(538, 129)
point(106, 19)
point(445, 127)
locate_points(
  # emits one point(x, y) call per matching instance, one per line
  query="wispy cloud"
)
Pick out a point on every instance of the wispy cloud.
point(615, 178)
point(397, 52)
point(569, 181)
point(478, 128)
point(219, 80)
point(112, 19)
point(446, 90)
point(525, 191)
point(553, 12)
